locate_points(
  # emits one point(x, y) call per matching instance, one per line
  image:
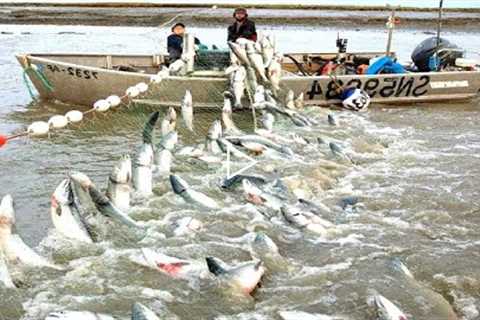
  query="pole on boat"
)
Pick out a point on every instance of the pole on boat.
point(439, 28)
point(390, 26)
point(188, 52)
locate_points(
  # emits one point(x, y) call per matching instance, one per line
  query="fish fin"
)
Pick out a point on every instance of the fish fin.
point(149, 126)
point(214, 267)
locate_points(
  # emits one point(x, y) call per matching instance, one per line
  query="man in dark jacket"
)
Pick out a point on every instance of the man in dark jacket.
point(175, 42)
point(242, 27)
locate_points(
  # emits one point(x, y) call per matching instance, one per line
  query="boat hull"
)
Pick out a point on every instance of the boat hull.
point(83, 84)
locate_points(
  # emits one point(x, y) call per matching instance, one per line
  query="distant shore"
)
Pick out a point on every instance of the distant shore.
point(148, 14)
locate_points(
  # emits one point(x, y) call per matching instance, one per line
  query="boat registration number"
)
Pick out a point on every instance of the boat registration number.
point(74, 72)
point(404, 86)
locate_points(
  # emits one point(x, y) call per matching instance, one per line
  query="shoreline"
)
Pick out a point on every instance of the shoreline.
point(148, 15)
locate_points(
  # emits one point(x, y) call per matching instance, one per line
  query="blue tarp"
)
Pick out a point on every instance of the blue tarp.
point(385, 65)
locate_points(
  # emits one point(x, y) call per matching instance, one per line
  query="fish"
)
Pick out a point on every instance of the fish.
point(337, 151)
point(118, 186)
point(147, 133)
point(102, 203)
point(226, 146)
point(257, 196)
point(290, 100)
point(187, 225)
point(256, 61)
point(239, 52)
point(12, 245)
point(181, 188)
point(331, 120)
point(237, 85)
point(143, 171)
point(267, 121)
point(176, 68)
point(268, 50)
point(263, 248)
point(141, 312)
point(214, 133)
point(65, 214)
point(252, 82)
point(274, 73)
point(385, 309)
point(306, 220)
point(439, 307)
point(171, 266)
point(106, 208)
point(163, 154)
point(299, 101)
point(254, 138)
point(5, 278)
point(244, 277)
point(78, 315)
point(295, 315)
point(230, 127)
point(232, 182)
point(317, 208)
point(187, 110)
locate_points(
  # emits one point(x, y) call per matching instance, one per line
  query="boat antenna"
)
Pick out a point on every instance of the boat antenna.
point(390, 27)
point(439, 25)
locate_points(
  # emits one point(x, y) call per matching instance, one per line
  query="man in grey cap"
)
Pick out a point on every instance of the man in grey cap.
point(242, 27)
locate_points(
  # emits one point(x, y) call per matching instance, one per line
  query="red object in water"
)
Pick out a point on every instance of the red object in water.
point(3, 140)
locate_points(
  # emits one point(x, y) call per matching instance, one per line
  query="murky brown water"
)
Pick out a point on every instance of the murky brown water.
point(416, 178)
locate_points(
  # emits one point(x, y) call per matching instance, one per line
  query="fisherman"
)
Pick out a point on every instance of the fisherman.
point(175, 42)
point(242, 27)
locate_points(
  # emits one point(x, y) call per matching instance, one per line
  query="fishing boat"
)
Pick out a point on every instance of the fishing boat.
point(82, 79)
point(439, 74)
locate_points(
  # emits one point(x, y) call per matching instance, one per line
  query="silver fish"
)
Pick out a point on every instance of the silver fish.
point(176, 67)
point(268, 51)
point(181, 188)
point(256, 61)
point(239, 52)
point(290, 100)
point(143, 170)
point(257, 196)
point(230, 127)
point(299, 101)
point(65, 215)
point(237, 85)
point(331, 120)
point(141, 312)
point(5, 278)
point(118, 186)
point(78, 315)
point(11, 244)
point(268, 120)
point(187, 110)
point(306, 220)
point(243, 278)
point(385, 309)
point(214, 133)
point(274, 73)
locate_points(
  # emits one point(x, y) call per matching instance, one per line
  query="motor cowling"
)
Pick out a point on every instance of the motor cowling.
point(447, 53)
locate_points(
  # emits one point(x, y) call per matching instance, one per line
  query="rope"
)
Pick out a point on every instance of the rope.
point(28, 85)
point(43, 79)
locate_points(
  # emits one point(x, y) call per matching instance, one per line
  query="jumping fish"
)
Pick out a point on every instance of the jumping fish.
point(239, 52)
point(181, 188)
point(143, 171)
point(253, 138)
point(77, 315)
point(172, 266)
point(385, 309)
point(141, 312)
point(257, 196)
point(65, 214)
point(268, 50)
point(232, 182)
point(299, 101)
point(262, 247)
point(169, 122)
point(274, 73)
point(267, 121)
point(244, 277)
point(256, 61)
point(439, 307)
point(12, 245)
point(185, 226)
point(295, 315)
point(337, 151)
point(290, 100)
point(331, 120)
point(306, 220)
point(102, 203)
point(230, 127)
point(118, 186)
point(163, 154)
point(237, 85)
point(143, 164)
point(5, 278)
point(187, 110)
point(214, 133)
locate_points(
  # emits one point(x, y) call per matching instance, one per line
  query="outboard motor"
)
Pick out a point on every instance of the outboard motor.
point(424, 53)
